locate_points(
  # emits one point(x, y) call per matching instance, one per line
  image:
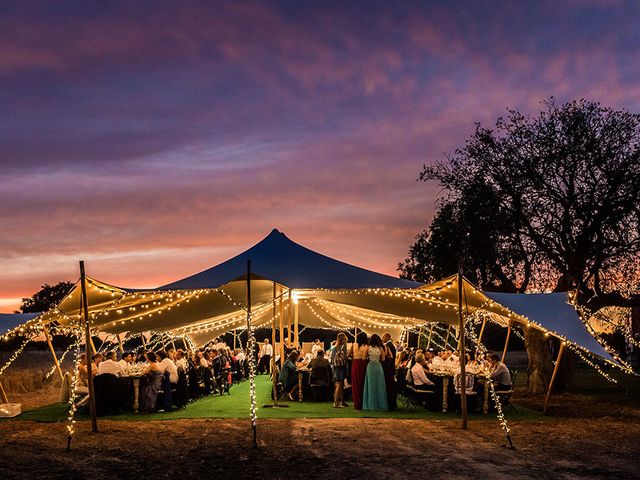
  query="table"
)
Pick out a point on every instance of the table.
point(446, 377)
point(135, 379)
point(301, 372)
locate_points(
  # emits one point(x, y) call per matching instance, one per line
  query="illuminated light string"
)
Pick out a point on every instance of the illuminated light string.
point(61, 360)
point(15, 355)
point(330, 325)
point(72, 397)
point(331, 310)
point(357, 313)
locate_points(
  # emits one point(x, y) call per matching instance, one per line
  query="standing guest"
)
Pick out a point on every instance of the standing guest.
point(110, 366)
point(316, 346)
point(339, 366)
point(358, 369)
point(168, 365)
point(181, 361)
point(375, 390)
point(266, 351)
point(389, 367)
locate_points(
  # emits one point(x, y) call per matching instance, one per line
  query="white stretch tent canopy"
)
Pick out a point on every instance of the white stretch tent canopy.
point(329, 294)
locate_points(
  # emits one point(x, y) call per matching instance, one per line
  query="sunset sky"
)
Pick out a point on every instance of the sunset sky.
point(155, 139)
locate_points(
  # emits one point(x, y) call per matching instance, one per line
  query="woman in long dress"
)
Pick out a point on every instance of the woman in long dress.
point(358, 369)
point(149, 392)
point(375, 390)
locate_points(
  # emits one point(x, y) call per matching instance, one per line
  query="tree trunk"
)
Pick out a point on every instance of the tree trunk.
point(540, 362)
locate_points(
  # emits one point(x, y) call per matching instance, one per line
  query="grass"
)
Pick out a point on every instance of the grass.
point(236, 405)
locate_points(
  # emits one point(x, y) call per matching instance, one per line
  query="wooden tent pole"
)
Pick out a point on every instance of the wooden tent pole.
point(289, 316)
point(235, 338)
point(184, 342)
point(463, 353)
point(296, 333)
point(274, 378)
point(3, 394)
point(484, 322)
point(144, 342)
point(89, 343)
point(120, 345)
point(164, 347)
point(281, 322)
point(430, 333)
point(93, 345)
point(173, 343)
point(446, 340)
point(53, 352)
point(553, 377)
point(420, 336)
point(506, 341)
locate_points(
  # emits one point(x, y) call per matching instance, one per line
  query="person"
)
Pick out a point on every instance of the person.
point(500, 375)
point(316, 346)
point(389, 368)
point(266, 351)
point(375, 391)
point(419, 374)
point(167, 365)
point(319, 361)
point(82, 381)
point(149, 391)
point(181, 361)
point(96, 359)
point(289, 375)
point(126, 361)
point(339, 366)
point(358, 369)
point(287, 348)
point(438, 361)
point(110, 366)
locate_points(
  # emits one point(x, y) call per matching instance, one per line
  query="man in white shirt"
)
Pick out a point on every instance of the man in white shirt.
point(111, 366)
point(438, 362)
point(419, 375)
point(316, 346)
point(266, 351)
point(181, 361)
point(126, 360)
point(167, 365)
point(240, 355)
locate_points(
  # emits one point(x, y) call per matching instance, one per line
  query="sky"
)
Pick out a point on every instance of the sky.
point(155, 139)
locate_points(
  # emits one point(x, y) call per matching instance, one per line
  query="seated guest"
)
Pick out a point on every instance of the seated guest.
point(316, 346)
point(500, 375)
point(96, 359)
point(126, 361)
point(319, 361)
point(167, 365)
point(149, 390)
point(111, 366)
point(82, 379)
point(453, 358)
point(438, 361)
point(419, 375)
point(289, 375)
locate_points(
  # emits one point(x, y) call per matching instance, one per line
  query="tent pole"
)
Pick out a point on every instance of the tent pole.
point(120, 345)
point(289, 316)
point(296, 325)
point(484, 322)
point(173, 343)
point(3, 394)
point(235, 337)
point(164, 347)
point(506, 341)
point(93, 345)
point(420, 336)
point(463, 353)
point(144, 342)
point(446, 340)
point(252, 374)
point(281, 322)
point(88, 345)
point(553, 377)
point(53, 352)
point(430, 333)
point(184, 342)
point(274, 378)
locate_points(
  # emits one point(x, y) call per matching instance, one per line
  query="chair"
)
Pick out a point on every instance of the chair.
point(109, 393)
point(469, 387)
point(416, 396)
point(504, 396)
point(181, 397)
point(165, 394)
point(320, 382)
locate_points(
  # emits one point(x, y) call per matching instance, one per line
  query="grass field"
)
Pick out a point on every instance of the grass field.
point(236, 405)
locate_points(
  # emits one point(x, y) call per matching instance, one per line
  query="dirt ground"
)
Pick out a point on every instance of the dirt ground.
point(338, 449)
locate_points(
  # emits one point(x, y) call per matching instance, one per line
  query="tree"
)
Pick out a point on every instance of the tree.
point(563, 209)
point(47, 297)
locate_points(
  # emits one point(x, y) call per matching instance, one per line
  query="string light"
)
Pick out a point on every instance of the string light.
point(15, 355)
point(72, 396)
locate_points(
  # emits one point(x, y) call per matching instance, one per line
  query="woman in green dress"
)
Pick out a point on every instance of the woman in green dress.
point(375, 390)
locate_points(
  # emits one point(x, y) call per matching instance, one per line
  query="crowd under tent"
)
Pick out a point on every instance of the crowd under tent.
point(291, 285)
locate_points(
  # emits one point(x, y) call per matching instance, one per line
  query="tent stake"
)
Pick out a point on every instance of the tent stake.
point(553, 377)
point(463, 353)
point(506, 341)
point(53, 352)
point(88, 344)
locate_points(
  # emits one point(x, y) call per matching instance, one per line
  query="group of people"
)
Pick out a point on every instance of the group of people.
point(186, 374)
